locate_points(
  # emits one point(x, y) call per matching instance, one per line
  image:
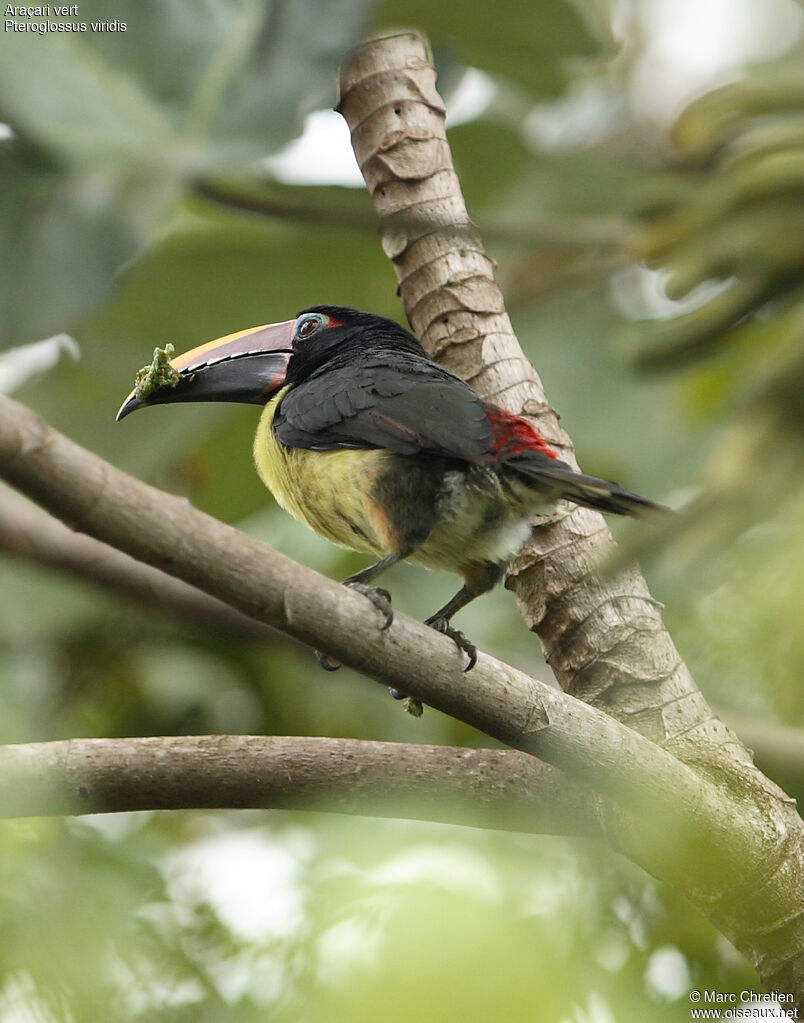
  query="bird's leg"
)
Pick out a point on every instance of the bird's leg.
point(361, 581)
point(479, 581)
point(380, 598)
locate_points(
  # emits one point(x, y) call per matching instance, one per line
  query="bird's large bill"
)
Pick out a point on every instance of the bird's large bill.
point(247, 366)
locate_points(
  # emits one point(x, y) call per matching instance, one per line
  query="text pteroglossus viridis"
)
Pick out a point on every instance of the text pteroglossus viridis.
point(380, 450)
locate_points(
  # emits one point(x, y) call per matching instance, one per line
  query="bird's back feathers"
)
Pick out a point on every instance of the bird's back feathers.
point(400, 402)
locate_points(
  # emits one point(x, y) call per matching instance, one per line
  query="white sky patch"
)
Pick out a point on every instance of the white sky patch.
point(17, 365)
point(323, 155)
point(251, 878)
point(6, 132)
point(584, 116)
point(692, 45)
point(471, 99)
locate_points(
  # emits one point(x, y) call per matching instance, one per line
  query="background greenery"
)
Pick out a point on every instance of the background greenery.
point(598, 215)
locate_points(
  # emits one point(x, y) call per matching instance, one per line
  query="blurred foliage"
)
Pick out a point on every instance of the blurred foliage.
point(732, 212)
point(111, 232)
point(724, 225)
point(529, 43)
point(196, 916)
point(109, 127)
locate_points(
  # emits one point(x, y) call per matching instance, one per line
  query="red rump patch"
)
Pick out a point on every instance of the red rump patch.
point(514, 435)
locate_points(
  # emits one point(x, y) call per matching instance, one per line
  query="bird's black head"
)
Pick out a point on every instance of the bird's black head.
point(332, 335)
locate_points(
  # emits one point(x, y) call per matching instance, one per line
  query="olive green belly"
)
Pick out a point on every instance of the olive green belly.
point(327, 490)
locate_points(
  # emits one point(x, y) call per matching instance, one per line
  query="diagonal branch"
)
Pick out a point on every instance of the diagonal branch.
point(27, 532)
point(726, 843)
point(168, 533)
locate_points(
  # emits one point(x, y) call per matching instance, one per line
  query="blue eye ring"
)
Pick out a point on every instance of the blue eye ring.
point(309, 324)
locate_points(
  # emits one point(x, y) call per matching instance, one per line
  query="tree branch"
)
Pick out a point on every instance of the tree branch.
point(475, 787)
point(583, 232)
point(27, 532)
point(725, 841)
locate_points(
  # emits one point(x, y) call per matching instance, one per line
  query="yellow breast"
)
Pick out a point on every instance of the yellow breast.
point(327, 490)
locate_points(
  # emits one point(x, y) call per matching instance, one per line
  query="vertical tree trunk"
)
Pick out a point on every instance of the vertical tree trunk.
point(603, 638)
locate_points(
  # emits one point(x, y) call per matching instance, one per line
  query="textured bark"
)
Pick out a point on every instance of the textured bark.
point(597, 635)
point(604, 638)
point(476, 787)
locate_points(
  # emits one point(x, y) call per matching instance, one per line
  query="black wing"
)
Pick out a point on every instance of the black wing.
point(407, 407)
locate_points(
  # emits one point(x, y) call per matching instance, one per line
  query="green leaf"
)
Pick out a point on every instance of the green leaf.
point(110, 126)
point(62, 245)
point(60, 91)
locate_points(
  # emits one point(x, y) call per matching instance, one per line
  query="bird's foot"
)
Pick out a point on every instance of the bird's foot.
point(442, 625)
point(380, 598)
point(326, 661)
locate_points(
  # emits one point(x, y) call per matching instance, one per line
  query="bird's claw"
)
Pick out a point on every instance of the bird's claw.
point(380, 598)
point(443, 626)
point(326, 661)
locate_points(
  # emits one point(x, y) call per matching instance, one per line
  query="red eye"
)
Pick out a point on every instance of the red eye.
point(308, 326)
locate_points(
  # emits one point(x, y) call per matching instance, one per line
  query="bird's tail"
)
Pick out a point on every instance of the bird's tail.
point(551, 474)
